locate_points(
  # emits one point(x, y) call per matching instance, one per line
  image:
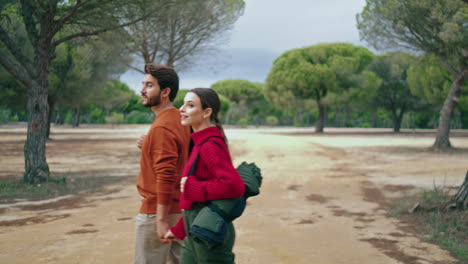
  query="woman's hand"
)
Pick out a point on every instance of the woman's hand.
point(169, 236)
point(182, 183)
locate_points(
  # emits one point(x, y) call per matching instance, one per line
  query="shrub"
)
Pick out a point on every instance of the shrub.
point(243, 122)
point(115, 118)
point(272, 120)
point(4, 116)
point(97, 116)
point(139, 117)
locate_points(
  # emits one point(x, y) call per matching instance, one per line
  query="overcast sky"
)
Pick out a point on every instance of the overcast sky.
point(267, 29)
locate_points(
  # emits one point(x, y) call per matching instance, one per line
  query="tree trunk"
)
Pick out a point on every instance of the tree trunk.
point(300, 117)
point(321, 118)
point(76, 117)
point(397, 118)
point(374, 119)
point(51, 103)
point(461, 198)
point(443, 130)
point(36, 167)
point(59, 118)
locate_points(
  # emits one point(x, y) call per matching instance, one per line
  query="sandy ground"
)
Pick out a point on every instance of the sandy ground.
point(322, 198)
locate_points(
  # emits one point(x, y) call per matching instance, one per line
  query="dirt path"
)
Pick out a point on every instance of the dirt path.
point(321, 202)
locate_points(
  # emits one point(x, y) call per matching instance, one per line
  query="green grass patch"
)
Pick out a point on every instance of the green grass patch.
point(448, 229)
point(434, 221)
point(14, 190)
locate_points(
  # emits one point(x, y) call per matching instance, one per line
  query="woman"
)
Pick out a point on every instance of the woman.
point(213, 178)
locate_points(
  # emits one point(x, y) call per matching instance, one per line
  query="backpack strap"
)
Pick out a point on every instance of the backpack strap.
point(194, 164)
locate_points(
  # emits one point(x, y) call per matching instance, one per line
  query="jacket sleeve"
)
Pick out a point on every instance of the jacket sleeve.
point(164, 152)
point(227, 182)
point(179, 229)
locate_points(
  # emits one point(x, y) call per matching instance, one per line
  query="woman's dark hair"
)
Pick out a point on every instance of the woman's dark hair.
point(210, 99)
point(166, 76)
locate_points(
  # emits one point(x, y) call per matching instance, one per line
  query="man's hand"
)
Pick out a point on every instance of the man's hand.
point(162, 229)
point(140, 141)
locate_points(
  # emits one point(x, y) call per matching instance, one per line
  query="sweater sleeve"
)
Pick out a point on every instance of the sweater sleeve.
point(179, 229)
point(226, 183)
point(164, 152)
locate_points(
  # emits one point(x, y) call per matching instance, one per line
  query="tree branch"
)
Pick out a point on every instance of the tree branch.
point(15, 51)
point(135, 68)
point(97, 32)
point(27, 12)
point(66, 17)
point(14, 69)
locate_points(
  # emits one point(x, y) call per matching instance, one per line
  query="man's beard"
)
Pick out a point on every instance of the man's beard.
point(153, 101)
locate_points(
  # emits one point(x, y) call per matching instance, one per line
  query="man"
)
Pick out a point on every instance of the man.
point(164, 152)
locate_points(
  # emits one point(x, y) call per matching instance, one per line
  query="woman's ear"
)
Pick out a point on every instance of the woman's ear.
point(207, 113)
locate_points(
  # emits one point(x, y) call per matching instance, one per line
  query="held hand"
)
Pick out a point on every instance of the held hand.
point(170, 236)
point(140, 141)
point(162, 229)
point(182, 183)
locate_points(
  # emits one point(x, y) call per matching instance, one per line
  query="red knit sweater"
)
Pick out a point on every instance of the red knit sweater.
point(214, 177)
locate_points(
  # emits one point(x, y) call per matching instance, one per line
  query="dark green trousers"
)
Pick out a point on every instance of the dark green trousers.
point(195, 253)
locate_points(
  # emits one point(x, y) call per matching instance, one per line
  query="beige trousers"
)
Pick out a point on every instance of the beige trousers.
point(148, 248)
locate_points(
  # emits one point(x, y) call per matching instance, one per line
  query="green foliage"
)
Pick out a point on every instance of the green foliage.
point(139, 117)
point(244, 98)
point(424, 119)
point(12, 93)
point(272, 120)
point(68, 119)
point(313, 73)
point(4, 116)
point(225, 106)
point(393, 93)
point(134, 104)
point(237, 90)
point(243, 122)
point(432, 26)
point(429, 80)
point(463, 108)
point(115, 118)
point(436, 27)
point(179, 100)
point(97, 115)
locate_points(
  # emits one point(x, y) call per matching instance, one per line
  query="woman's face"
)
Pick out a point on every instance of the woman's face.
point(192, 113)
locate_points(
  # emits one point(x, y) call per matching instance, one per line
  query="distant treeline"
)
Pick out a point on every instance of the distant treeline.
point(394, 90)
point(60, 62)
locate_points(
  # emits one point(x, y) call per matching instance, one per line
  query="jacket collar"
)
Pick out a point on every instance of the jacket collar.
point(203, 135)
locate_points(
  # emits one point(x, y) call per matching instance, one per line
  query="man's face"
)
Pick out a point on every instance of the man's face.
point(151, 92)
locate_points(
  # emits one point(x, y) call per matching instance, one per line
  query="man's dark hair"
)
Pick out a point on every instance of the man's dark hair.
point(167, 77)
